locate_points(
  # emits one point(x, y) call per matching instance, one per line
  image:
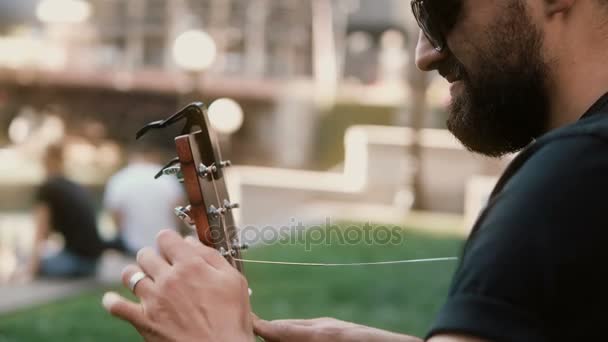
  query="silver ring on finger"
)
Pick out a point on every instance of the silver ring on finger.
point(135, 278)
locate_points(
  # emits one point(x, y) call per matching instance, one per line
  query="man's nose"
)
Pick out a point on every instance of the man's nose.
point(427, 57)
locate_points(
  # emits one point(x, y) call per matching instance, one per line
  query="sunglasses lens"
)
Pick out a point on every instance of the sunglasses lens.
point(426, 23)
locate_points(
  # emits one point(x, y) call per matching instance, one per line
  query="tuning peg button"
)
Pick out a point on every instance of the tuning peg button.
point(230, 206)
point(226, 253)
point(172, 171)
point(240, 246)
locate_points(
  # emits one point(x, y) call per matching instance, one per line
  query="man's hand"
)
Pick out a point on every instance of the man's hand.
point(191, 293)
point(329, 329)
point(322, 330)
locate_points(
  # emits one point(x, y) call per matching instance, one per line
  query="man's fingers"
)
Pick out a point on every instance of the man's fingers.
point(174, 248)
point(265, 330)
point(300, 322)
point(124, 309)
point(151, 263)
point(143, 287)
point(193, 241)
point(278, 331)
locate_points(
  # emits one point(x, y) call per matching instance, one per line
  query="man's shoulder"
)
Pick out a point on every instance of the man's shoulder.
point(592, 126)
point(567, 168)
point(58, 183)
point(559, 184)
point(577, 149)
point(136, 171)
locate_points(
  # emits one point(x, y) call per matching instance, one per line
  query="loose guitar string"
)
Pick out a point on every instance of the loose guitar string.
point(377, 263)
point(314, 264)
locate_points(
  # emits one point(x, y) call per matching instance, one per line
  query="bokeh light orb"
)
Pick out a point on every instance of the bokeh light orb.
point(194, 51)
point(226, 115)
point(19, 130)
point(63, 11)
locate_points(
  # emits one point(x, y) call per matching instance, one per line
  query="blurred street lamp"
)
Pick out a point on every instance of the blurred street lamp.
point(194, 51)
point(225, 116)
point(63, 11)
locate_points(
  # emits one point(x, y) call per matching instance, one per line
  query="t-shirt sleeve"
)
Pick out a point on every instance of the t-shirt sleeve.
point(508, 280)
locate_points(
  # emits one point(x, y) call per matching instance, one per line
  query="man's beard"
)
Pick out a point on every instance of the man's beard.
point(504, 103)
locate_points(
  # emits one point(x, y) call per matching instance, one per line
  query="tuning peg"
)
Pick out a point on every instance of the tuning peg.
point(172, 171)
point(237, 245)
point(230, 206)
point(172, 168)
point(215, 212)
point(225, 163)
point(226, 253)
point(183, 213)
point(205, 171)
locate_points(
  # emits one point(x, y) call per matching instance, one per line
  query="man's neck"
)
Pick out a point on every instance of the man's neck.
point(54, 174)
point(576, 91)
point(579, 77)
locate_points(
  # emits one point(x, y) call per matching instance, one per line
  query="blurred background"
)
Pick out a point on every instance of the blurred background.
point(317, 103)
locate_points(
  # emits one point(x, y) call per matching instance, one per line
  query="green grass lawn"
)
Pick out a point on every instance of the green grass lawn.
point(401, 298)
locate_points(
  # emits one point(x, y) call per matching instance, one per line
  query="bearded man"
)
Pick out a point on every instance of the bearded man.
point(525, 75)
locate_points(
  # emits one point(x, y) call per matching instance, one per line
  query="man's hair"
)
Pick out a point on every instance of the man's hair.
point(54, 152)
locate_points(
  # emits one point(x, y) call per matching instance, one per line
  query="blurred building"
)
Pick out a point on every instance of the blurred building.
point(75, 55)
point(303, 71)
point(263, 38)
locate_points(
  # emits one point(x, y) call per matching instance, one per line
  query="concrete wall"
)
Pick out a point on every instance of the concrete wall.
point(375, 184)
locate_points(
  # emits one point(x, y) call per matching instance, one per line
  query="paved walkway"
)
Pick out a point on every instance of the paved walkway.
point(18, 297)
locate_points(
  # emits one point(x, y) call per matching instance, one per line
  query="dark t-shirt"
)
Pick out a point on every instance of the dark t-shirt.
point(72, 214)
point(534, 267)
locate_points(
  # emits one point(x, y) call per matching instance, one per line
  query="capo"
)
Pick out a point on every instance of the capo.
point(193, 113)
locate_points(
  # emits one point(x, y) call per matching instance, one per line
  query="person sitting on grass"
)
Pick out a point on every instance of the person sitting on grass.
point(66, 208)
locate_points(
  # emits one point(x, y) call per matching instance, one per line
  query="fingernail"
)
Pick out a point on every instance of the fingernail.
point(109, 299)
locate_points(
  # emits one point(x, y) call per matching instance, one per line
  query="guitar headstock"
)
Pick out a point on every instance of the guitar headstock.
point(200, 167)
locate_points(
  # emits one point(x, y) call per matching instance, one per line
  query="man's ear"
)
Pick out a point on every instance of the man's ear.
point(553, 7)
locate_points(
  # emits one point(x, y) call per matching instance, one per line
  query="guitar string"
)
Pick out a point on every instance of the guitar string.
point(377, 263)
point(309, 264)
point(219, 202)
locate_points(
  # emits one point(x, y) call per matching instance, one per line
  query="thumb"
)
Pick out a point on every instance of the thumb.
point(124, 309)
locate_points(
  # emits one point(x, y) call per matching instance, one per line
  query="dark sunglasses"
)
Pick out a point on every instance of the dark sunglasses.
point(436, 19)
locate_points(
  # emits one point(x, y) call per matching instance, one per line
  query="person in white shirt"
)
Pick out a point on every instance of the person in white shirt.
point(140, 205)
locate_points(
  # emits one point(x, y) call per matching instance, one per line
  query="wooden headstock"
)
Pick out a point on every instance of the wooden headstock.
point(200, 167)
